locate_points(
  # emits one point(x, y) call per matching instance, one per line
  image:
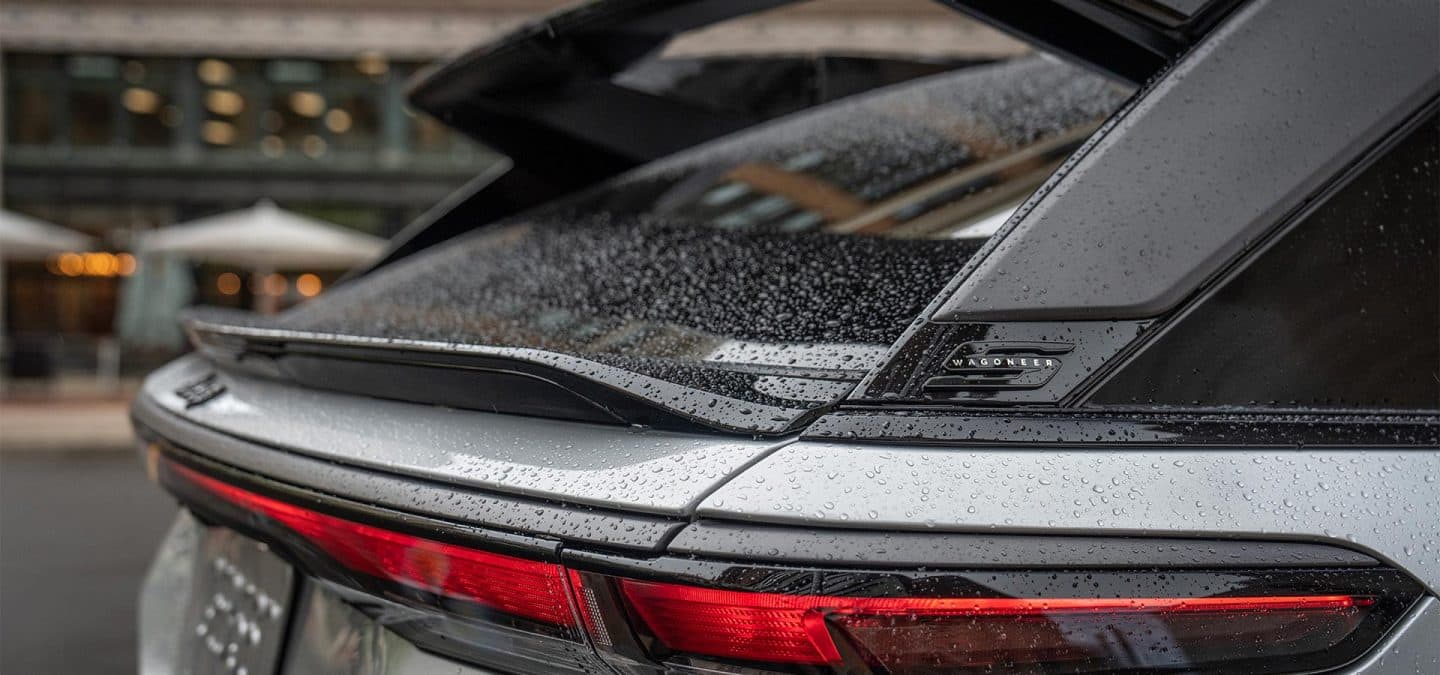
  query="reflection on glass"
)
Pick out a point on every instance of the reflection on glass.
point(141, 101)
point(287, 71)
point(91, 67)
point(92, 117)
point(372, 64)
point(338, 121)
point(272, 146)
point(313, 146)
point(224, 102)
point(930, 159)
point(288, 127)
point(427, 136)
point(216, 132)
point(147, 99)
point(148, 126)
point(215, 72)
point(31, 114)
point(135, 72)
point(275, 109)
point(307, 103)
point(354, 122)
point(229, 121)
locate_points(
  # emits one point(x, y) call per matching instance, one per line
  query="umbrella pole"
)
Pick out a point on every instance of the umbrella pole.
point(4, 337)
point(263, 302)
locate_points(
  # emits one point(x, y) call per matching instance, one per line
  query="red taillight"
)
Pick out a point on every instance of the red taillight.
point(907, 634)
point(524, 588)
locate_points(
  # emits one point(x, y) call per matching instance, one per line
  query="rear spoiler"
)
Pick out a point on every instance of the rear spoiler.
point(543, 94)
point(554, 76)
point(1129, 40)
point(546, 95)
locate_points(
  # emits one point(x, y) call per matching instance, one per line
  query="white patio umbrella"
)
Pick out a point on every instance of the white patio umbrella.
point(26, 238)
point(265, 238)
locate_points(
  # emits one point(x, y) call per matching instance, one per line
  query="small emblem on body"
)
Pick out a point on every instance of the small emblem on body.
point(1001, 365)
point(200, 391)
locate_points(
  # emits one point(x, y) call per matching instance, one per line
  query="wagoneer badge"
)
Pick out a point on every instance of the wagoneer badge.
point(200, 391)
point(1001, 365)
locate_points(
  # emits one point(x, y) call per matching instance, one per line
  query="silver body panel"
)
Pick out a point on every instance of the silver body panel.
point(1381, 501)
point(586, 464)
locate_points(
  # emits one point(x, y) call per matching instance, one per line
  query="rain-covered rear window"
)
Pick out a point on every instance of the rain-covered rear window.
point(805, 244)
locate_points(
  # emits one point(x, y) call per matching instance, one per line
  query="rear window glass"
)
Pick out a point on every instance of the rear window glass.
point(925, 159)
point(835, 225)
point(1343, 312)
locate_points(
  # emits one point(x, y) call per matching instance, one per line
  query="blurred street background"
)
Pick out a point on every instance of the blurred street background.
point(161, 154)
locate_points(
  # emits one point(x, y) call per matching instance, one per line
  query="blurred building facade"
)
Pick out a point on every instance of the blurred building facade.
point(121, 116)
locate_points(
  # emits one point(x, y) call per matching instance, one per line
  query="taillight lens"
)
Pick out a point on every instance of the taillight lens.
point(1077, 622)
point(523, 588)
point(918, 633)
point(504, 611)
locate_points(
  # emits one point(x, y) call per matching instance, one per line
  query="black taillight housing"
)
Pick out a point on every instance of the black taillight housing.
point(574, 611)
point(1053, 621)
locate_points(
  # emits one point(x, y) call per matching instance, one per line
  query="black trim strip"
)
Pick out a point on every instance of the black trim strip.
point(759, 543)
point(1137, 428)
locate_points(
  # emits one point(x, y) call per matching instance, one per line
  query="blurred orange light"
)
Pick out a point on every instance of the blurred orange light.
point(272, 146)
point(308, 285)
point(140, 101)
point(275, 284)
point(99, 264)
point(224, 102)
point(312, 145)
point(228, 283)
point(126, 263)
point(338, 120)
point(372, 64)
point(71, 264)
point(216, 132)
point(307, 103)
point(215, 72)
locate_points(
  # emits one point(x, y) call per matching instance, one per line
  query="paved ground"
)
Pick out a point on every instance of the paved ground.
point(76, 534)
point(64, 425)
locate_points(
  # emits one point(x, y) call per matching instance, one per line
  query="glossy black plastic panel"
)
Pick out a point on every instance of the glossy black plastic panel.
point(1067, 352)
point(1342, 312)
point(1134, 428)
point(1132, 40)
point(1240, 132)
point(758, 543)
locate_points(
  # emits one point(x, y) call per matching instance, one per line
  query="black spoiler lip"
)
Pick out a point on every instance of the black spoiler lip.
point(572, 387)
point(594, 40)
point(586, 39)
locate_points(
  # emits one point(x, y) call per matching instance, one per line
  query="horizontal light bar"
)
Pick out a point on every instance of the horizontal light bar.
point(525, 588)
point(793, 628)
